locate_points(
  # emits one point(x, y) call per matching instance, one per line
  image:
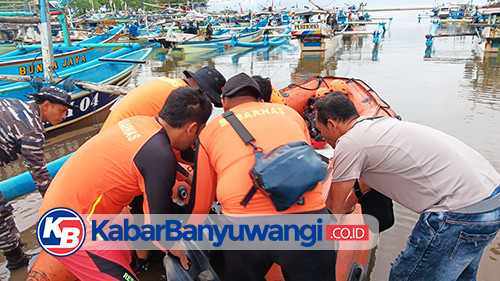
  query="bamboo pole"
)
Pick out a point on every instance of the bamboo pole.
point(454, 34)
point(91, 86)
point(19, 19)
point(47, 50)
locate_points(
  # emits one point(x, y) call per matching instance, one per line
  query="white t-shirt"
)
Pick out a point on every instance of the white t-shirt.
point(419, 167)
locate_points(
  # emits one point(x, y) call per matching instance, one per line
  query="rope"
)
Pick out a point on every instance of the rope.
point(319, 79)
point(372, 92)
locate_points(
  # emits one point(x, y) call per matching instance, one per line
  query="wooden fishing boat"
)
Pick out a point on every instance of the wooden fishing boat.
point(490, 34)
point(28, 60)
point(246, 35)
point(315, 37)
point(115, 69)
point(266, 42)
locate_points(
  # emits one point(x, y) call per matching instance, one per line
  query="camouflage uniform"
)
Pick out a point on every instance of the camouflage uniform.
point(21, 133)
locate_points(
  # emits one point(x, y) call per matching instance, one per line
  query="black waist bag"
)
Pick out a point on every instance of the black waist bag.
point(285, 173)
point(376, 204)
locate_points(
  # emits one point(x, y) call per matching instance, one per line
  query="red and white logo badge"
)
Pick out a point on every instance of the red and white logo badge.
point(60, 232)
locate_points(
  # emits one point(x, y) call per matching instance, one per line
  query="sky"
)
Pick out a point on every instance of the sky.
point(257, 4)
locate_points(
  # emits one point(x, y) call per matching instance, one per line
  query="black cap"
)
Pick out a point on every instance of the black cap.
point(54, 95)
point(239, 82)
point(210, 81)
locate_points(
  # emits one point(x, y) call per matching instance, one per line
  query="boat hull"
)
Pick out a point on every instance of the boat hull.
point(218, 44)
point(365, 99)
point(30, 63)
point(89, 102)
point(48, 268)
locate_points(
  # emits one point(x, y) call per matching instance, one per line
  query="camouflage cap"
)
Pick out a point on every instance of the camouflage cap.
point(54, 95)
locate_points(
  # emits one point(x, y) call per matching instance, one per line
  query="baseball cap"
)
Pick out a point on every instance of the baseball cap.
point(239, 82)
point(210, 81)
point(54, 95)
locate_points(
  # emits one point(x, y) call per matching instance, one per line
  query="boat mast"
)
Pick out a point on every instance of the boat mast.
point(27, 6)
point(46, 42)
point(64, 24)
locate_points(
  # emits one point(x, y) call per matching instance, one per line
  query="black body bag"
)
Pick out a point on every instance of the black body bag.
point(376, 204)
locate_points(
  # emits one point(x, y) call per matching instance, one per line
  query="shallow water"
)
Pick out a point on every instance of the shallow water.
point(455, 90)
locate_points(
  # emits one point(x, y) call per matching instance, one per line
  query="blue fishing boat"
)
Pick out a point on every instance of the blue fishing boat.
point(245, 35)
point(28, 60)
point(266, 42)
point(113, 69)
point(6, 46)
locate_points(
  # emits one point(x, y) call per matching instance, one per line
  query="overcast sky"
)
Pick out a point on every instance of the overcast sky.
point(257, 4)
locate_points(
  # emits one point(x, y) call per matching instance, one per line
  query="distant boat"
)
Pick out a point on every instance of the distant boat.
point(246, 35)
point(490, 36)
point(117, 71)
point(443, 12)
point(29, 61)
point(314, 37)
point(266, 42)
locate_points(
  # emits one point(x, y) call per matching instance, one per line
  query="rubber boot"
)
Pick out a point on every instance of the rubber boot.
point(16, 258)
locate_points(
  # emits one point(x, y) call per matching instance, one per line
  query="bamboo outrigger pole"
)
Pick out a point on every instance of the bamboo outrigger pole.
point(91, 86)
point(47, 51)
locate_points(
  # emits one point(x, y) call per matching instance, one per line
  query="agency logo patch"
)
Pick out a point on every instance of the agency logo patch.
point(60, 232)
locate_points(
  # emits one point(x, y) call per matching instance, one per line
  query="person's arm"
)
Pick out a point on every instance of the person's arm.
point(339, 200)
point(32, 150)
point(349, 159)
point(158, 168)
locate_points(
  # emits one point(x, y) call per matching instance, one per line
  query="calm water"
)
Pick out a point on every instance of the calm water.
point(454, 90)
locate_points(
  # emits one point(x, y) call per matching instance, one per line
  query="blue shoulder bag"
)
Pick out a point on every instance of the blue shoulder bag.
point(285, 173)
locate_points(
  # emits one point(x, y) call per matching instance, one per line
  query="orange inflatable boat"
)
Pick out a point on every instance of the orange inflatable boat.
point(351, 265)
point(365, 99)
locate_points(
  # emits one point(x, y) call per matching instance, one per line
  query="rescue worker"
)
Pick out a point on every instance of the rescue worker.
point(451, 185)
point(133, 30)
point(148, 99)
point(222, 167)
point(133, 158)
point(210, 31)
point(269, 92)
point(22, 134)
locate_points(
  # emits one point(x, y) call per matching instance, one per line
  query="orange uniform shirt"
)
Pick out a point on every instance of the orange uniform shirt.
point(224, 161)
point(109, 170)
point(145, 100)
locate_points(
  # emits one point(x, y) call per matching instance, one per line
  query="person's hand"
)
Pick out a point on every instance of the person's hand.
point(180, 253)
point(364, 187)
point(350, 202)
